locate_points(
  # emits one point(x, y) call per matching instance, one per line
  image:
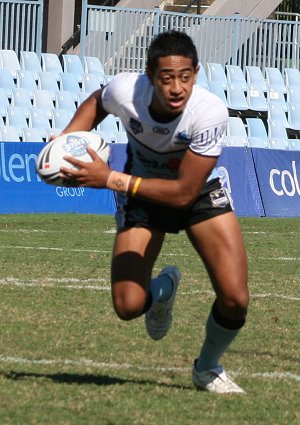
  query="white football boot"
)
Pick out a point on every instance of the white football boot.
point(215, 381)
point(159, 318)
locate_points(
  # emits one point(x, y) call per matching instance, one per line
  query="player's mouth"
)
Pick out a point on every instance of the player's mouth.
point(176, 103)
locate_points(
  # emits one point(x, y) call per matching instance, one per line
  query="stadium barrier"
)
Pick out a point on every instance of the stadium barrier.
point(262, 182)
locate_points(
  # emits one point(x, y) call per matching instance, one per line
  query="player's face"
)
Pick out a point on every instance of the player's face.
point(173, 82)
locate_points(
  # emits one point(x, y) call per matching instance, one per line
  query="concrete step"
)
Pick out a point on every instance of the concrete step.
point(180, 6)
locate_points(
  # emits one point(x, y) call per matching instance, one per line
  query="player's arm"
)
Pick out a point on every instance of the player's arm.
point(180, 192)
point(89, 114)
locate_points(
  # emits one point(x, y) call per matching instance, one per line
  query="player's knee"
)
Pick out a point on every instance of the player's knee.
point(128, 308)
point(236, 305)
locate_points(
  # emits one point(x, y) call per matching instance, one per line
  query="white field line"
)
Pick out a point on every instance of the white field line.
point(86, 284)
point(121, 366)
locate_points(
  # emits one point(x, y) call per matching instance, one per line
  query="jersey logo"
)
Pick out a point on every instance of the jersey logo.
point(161, 130)
point(183, 136)
point(135, 126)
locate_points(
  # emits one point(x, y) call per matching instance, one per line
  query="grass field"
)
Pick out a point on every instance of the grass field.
point(65, 358)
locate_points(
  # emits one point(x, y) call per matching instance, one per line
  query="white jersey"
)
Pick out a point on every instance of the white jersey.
point(155, 149)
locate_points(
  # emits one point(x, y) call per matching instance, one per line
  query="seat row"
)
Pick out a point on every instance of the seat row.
point(257, 133)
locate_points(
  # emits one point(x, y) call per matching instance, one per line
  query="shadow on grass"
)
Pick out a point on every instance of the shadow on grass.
point(101, 380)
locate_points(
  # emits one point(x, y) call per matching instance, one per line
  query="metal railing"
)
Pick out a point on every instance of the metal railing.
point(120, 36)
point(21, 24)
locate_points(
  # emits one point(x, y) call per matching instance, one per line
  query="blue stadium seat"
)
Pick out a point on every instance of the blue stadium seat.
point(65, 100)
point(202, 77)
point(51, 63)
point(38, 118)
point(292, 95)
point(50, 132)
point(31, 135)
point(92, 82)
point(294, 144)
point(236, 134)
point(109, 124)
point(292, 78)
point(217, 89)
point(73, 64)
point(9, 134)
point(235, 76)
point(4, 102)
point(26, 80)
point(92, 65)
point(121, 137)
point(61, 118)
point(293, 115)
point(69, 82)
point(276, 96)
point(10, 61)
point(278, 137)
point(81, 97)
point(42, 99)
point(30, 61)
point(277, 113)
point(275, 79)
point(216, 73)
point(7, 82)
point(47, 81)
point(257, 133)
point(21, 97)
point(256, 99)
point(255, 77)
point(236, 98)
point(16, 117)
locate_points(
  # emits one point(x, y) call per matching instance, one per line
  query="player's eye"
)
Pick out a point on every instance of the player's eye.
point(185, 78)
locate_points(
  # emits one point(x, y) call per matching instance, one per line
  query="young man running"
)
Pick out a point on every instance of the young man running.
point(175, 134)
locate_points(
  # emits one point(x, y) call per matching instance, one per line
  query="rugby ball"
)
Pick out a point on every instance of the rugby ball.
point(50, 159)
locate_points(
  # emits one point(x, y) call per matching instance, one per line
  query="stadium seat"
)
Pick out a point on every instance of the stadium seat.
point(256, 98)
point(30, 61)
point(49, 132)
point(9, 134)
point(61, 118)
point(121, 137)
point(257, 133)
point(109, 124)
point(292, 78)
point(92, 82)
point(73, 64)
point(4, 102)
point(42, 99)
point(236, 98)
point(7, 82)
point(81, 97)
point(278, 137)
point(202, 77)
point(92, 65)
point(293, 115)
point(21, 97)
point(38, 118)
point(10, 61)
point(275, 79)
point(236, 76)
point(65, 100)
point(276, 96)
point(236, 134)
point(16, 117)
point(47, 81)
point(69, 82)
point(217, 89)
point(31, 135)
point(26, 80)
point(277, 113)
point(108, 136)
point(254, 76)
point(51, 63)
point(216, 73)
point(294, 144)
point(292, 94)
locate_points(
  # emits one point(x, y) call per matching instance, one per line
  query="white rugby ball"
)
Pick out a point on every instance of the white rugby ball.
point(50, 159)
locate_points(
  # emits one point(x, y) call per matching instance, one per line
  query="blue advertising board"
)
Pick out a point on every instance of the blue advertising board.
point(278, 174)
point(22, 190)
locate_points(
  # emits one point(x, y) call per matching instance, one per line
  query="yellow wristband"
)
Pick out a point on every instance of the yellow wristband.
point(136, 186)
point(118, 181)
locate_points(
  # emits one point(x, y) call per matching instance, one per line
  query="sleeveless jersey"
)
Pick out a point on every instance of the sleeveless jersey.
point(155, 149)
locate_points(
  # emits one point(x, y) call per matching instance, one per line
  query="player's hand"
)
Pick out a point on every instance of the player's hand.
point(86, 174)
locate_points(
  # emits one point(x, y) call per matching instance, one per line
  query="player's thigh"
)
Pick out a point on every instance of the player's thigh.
point(220, 244)
point(134, 254)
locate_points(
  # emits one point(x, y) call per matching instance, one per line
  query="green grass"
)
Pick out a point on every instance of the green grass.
point(65, 358)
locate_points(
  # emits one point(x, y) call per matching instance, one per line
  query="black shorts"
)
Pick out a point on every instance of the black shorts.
point(212, 201)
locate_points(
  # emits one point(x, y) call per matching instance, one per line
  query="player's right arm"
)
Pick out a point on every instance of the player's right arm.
point(89, 114)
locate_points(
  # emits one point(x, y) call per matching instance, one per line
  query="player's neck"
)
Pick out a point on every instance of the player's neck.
point(161, 117)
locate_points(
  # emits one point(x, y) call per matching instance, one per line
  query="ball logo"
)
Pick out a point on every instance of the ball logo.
point(75, 146)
